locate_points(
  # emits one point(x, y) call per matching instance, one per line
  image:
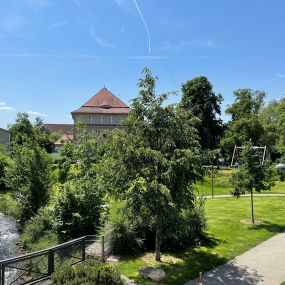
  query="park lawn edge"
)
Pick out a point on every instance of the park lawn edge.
point(228, 240)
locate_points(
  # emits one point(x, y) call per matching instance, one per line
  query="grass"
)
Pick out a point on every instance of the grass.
point(8, 204)
point(229, 237)
point(222, 184)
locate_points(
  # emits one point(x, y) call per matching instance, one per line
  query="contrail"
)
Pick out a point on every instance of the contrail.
point(146, 28)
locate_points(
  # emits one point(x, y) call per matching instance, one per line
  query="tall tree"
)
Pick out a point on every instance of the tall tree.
point(28, 174)
point(244, 124)
point(252, 175)
point(198, 96)
point(154, 163)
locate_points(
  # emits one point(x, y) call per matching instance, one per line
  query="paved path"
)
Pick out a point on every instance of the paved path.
point(248, 195)
point(261, 265)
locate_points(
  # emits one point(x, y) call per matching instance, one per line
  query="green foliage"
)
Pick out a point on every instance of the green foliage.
point(28, 174)
point(79, 207)
point(65, 161)
point(89, 273)
point(199, 98)
point(252, 175)
point(9, 205)
point(23, 133)
point(245, 124)
point(121, 231)
point(40, 227)
point(189, 230)
point(153, 163)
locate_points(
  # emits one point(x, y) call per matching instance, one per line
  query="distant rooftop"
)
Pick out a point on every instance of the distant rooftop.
point(104, 102)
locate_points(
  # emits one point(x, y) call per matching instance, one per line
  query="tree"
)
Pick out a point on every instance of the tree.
point(198, 96)
point(79, 207)
point(252, 175)
point(153, 164)
point(24, 133)
point(28, 174)
point(244, 124)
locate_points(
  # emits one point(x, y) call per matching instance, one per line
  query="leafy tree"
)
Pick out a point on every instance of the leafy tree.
point(44, 136)
point(245, 124)
point(23, 132)
point(252, 175)
point(154, 162)
point(198, 96)
point(65, 161)
point(79, 207)
point(28, 173)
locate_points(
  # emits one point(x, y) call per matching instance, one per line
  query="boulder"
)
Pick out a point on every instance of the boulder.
point(154, 274)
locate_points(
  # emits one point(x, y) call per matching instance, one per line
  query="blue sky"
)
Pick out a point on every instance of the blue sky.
point(56, 54)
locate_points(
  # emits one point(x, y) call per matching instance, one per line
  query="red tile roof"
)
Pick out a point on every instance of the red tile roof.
point(104, 102)
point(61, 128)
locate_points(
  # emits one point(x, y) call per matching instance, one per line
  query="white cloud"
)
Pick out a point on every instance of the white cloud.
point(36, 114)
point(13, 22)
point(100, 41)
point(58, 24)
point(4, 107)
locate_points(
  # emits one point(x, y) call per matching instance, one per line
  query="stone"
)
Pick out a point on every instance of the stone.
point(154, 274)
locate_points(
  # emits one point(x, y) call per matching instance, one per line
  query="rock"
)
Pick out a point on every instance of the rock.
point(154, 274)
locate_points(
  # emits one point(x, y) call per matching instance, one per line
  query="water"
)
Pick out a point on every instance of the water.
point(9, 236)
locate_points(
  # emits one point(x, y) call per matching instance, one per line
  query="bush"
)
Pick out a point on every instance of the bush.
point(79, 208)
point(121, 232)
point(39, 231)
point(9, 205)
point(89, 273)
point(190, 229)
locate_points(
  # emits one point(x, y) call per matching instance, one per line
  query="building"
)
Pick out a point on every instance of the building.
point(104, 111)
point(4, 137)
point(65, 131)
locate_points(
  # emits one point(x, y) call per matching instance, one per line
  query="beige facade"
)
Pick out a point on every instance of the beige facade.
point(104, 111)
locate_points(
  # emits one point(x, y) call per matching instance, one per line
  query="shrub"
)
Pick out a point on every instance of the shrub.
point(9, 205)
point(189, 230)
point(89, 273)
point(121, 232)
point(40, 229)
point(79, 208)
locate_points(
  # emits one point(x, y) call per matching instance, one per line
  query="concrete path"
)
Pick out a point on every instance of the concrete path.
point(261, 265)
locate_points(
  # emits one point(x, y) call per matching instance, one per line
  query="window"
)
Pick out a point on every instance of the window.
point(101, 119)
point(112, 120)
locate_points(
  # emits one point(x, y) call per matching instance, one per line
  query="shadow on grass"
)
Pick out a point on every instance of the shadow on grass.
point(268, 226)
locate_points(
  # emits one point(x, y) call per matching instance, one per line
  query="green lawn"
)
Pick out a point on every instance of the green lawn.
point(222, 184)
point(229, 238)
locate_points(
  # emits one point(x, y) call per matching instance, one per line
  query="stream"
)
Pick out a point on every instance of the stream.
point(9, 237)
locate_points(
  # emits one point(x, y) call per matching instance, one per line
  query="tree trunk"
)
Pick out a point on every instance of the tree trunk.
point(252, 212)
point(157, 245)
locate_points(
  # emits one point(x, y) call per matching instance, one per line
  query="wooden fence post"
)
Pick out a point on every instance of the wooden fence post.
point(103, 249)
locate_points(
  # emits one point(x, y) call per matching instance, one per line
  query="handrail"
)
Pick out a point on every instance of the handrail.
point(80, 244)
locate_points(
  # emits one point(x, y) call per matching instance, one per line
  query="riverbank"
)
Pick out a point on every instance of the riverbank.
point(8, 204)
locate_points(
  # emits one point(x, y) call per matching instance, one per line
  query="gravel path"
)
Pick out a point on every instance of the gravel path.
point(261, 265)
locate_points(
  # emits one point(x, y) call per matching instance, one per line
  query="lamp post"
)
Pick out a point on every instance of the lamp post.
point(212, 180)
